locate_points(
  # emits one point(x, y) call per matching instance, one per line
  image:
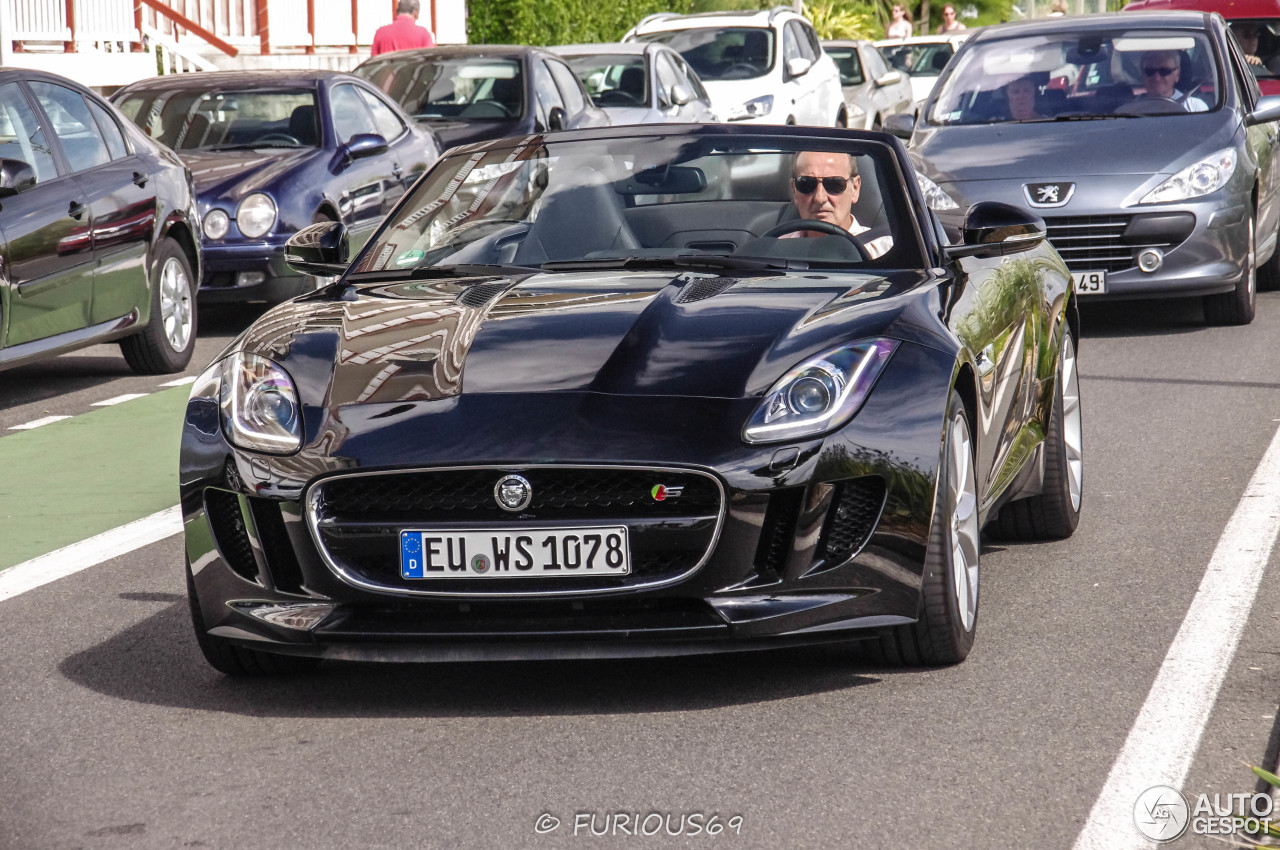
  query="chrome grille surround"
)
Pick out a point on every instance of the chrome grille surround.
point(323, 526)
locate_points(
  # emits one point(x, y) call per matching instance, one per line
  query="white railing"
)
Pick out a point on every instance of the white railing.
point(173, 58)
point(37, 20)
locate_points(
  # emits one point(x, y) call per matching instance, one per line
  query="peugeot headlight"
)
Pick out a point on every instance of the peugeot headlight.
point(820, 394)
point(1208, 175)
point(757, 108)
point(259, 404)
point(934, 197)
point(256, 215)
point(216, 224)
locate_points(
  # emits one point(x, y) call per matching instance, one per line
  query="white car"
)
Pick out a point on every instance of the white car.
point(760, 67)
point(922, 58)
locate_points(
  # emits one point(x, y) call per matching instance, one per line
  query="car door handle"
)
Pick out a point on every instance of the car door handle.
point(140, 179)
point(75, 210)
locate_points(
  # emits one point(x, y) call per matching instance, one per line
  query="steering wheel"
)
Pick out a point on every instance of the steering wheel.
point(277, 137)
point(1149, 104)
point(820, 226)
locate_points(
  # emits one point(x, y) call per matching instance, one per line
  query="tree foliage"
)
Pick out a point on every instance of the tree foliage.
point(547, 22)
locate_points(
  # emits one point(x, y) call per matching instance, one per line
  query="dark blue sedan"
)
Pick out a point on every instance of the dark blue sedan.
point(274, 152)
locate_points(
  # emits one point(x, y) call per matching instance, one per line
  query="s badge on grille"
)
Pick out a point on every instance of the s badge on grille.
point(662, 492)
point(513, 492)
point(1048, 194)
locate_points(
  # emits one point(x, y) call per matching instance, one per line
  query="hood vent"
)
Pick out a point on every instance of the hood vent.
point(704, 287)
point(481, 295)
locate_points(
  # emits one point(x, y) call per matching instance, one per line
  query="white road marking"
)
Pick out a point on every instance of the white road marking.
point(181, 382)
point(36, 423)
point(1163, 741)
point(118, 399)
point(71, 559)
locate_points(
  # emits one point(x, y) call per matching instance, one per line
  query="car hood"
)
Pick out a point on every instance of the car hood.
point(234, 174)
point(1147, 145)
point(623, 334)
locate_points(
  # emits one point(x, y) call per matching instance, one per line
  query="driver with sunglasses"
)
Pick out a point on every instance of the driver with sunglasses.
point(824, 186)
point(1160, 72)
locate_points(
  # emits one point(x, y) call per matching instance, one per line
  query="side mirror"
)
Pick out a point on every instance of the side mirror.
point(889, 79)
point(680, 94)
point(992, 229)
point(15, 176)
point(322, 249)
point(901, 125)
point(798, 66)
point(1266, 110)
point(558, 119)
point(365, 144)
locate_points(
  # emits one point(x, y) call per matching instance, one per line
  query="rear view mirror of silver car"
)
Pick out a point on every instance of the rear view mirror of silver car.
point(1267, 109)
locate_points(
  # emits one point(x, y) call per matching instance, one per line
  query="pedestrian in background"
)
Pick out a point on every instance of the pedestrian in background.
point(949, 22)
point(403, 33)
point(900, 26)
point(1058, 8)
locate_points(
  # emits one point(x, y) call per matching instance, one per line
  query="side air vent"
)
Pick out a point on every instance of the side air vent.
point(705, 287)
point(230, 532)
point(480, 295)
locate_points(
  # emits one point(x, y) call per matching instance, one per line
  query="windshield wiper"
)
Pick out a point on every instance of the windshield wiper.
point(680, 261)
point(1090, 116)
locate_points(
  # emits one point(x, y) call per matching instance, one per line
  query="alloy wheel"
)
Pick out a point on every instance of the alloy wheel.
point(175, 304)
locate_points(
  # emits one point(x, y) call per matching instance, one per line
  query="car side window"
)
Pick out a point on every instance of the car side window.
point(389, 124)
point(349, 114)
point(790, 43)
point(811, 36)
point(110, 131)
point(570, 88)
point(668, 76)
point(21, 136)
point(73, 124)
point(801, 45)
point(694, 82)
point(545, 88)
point(875, 63)
point(1246, 83)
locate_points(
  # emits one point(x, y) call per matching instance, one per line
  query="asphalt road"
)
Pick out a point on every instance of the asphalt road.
point(117, 735)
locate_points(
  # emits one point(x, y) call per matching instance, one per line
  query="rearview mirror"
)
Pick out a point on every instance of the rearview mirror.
point(322, 249)
point(558, 119)
point(992, 229)
point(900, 125)
point(680, 94)
point(798, 66)
point(365, 144)
point(889, 79)
point(15, 176)
point(1266, 110)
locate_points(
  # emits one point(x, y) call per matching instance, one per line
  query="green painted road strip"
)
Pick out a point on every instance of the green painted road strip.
point(74, 479)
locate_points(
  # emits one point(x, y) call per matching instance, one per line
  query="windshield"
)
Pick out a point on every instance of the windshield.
point(653, 201)
point(1127, 73)
point(190, 119)
point(1260, 40)
point(731, 53)
point(919, 60)
point(613, 80)
point(470, 88)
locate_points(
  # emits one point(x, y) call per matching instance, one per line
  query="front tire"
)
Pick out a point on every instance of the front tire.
point(167, 342)
point(1055, 513)
point(1237, 307)
point(949, 589)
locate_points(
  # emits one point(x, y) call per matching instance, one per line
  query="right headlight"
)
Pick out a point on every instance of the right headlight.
point(820, 394)
point(1208, 175)
point(256, 215)
point(934, 196)
point(259, 402)
point(757, 108)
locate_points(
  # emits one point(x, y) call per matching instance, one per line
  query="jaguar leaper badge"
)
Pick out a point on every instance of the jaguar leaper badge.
point(513, 492)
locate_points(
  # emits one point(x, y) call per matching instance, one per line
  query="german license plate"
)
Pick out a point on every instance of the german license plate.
point(545, 553)
point(1090, 283)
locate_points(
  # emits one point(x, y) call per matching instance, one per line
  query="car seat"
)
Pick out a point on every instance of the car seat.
point(576, 220)
point(631, 81)
point(302, 125)
point(939, 61)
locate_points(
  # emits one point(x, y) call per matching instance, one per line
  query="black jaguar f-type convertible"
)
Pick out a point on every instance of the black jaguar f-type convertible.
point(636, 391)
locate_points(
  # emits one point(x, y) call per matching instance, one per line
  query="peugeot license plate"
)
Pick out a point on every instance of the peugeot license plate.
point(544, 553)
point(1090, 283)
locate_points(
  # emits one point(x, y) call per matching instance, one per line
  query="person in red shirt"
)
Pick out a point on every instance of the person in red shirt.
point(403, 33)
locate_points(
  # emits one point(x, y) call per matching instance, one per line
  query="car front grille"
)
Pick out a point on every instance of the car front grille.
point(357, 520)
point(1096, 243)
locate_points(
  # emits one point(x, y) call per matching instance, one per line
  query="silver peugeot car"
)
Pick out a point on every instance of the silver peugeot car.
point(1143, 142)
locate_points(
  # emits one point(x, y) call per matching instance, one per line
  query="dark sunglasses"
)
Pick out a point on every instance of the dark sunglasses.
point(1164, 72)
point(833, 185)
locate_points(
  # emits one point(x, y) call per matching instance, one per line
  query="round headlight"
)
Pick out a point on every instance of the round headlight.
point(256, 215)
point(216, 224)
point(809, 395)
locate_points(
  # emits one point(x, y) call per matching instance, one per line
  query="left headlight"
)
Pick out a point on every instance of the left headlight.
point(756, 108)
point(256, 215)
point(1208, 175)
point(820, 394)
point(259, 404)
point(935, 197)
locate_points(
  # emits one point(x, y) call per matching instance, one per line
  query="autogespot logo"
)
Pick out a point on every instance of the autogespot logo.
point(1161, 813)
